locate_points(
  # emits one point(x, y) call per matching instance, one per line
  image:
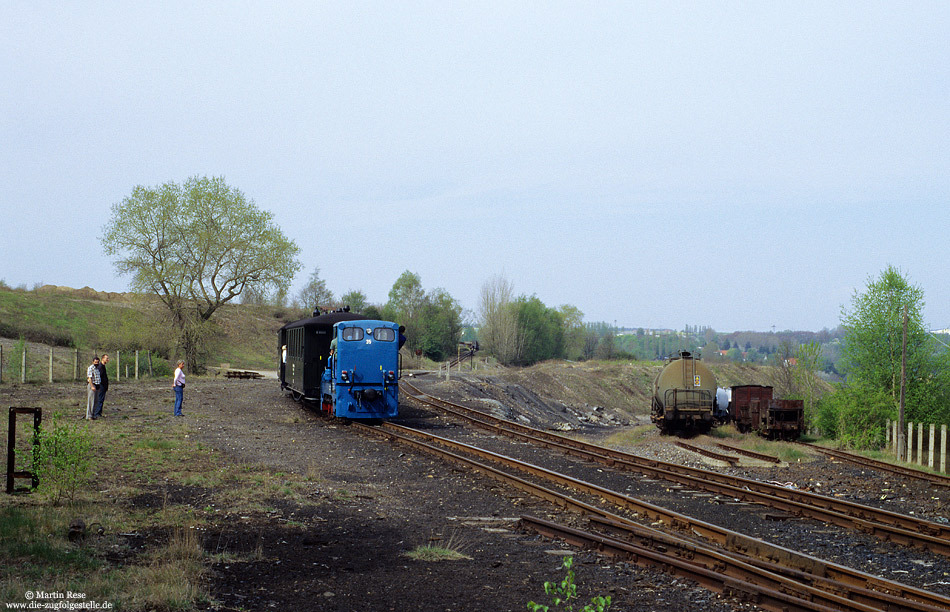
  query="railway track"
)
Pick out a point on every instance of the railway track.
point(748, 453)
point(889, 526)
point(935, 479)
point(774, 577)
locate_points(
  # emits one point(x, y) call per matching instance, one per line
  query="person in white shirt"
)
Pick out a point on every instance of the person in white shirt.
point(92, 387)
point(179, 386)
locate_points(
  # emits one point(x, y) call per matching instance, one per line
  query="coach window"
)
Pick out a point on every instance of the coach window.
point(384, 334)
point(353, 333)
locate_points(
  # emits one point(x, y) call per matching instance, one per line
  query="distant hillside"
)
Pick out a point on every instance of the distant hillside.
point(244, 336)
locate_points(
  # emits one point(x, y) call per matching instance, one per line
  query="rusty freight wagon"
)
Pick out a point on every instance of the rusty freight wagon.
point(754, 409)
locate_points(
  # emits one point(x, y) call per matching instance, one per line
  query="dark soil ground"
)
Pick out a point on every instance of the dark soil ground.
point(374, 503)
point(342, 545)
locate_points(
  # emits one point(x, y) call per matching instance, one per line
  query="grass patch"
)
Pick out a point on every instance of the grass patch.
point(629, 437)
point(155, 444)
point(150, 476)
point(435, 550)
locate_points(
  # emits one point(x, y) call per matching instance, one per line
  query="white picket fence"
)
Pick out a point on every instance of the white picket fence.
point(922, 449)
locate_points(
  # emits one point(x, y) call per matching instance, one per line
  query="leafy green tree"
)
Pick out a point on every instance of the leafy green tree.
point(406, 299)
point(573, 321)
point(542, 328)
point(440, 325)
point(433, 321)
point(872, 346)
point(373, 312)
point(197, 246)
point(606, 347)
point(315, 293)
point(356, 300)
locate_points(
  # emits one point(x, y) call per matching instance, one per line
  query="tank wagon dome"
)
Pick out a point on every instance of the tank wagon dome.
point(685, 372)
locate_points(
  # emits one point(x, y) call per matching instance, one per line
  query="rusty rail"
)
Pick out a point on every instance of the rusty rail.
point(707, 453)
point(748, 453)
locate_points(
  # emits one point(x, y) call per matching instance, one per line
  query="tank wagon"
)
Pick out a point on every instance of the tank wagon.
point(345, 362)
point(753, 408)
point(684, 397)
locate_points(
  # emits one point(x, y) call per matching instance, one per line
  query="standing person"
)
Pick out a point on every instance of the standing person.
point(179, 386)
point(103, 386)
point(92, 386)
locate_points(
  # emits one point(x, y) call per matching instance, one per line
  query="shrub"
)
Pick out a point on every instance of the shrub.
point(855, 416)
point(62, 459)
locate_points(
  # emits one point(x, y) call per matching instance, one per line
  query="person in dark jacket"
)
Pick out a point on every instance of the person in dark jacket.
point(103, 386)
point(92, 386)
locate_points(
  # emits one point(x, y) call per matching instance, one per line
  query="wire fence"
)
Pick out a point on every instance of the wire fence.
point(31, 362)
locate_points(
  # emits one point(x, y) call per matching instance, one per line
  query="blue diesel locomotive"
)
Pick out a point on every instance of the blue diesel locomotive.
point(347, 363)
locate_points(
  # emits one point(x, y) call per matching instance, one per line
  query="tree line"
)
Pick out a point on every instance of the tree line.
point(201, 244)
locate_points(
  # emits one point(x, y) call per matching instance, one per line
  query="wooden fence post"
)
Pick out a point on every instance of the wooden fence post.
point(933, 446)
point(910, 441)
point(136, 364)
point(51, 364)
point(118, 361)
point(943, 449)
point(920, 443)
point(887, 434)
point(1, 363)
point(23, 365)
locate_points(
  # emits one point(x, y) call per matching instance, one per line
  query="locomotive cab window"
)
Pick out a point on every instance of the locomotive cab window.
point(353, 334)
point(384, 334)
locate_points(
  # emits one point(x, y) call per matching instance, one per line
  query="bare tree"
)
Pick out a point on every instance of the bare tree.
point(784, 377)
point(500, 333)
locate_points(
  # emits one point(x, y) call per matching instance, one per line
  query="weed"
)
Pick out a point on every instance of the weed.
point(563, 592)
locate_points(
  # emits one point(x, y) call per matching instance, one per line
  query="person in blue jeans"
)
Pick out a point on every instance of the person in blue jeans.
point(179, 386)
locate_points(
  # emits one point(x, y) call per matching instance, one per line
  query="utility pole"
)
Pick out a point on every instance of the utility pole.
point(901, 443)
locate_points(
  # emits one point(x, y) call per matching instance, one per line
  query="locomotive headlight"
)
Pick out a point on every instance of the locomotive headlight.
point(390, 376)
point(345, 376)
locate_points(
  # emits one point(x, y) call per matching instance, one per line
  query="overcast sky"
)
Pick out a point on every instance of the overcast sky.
point(736, 165)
